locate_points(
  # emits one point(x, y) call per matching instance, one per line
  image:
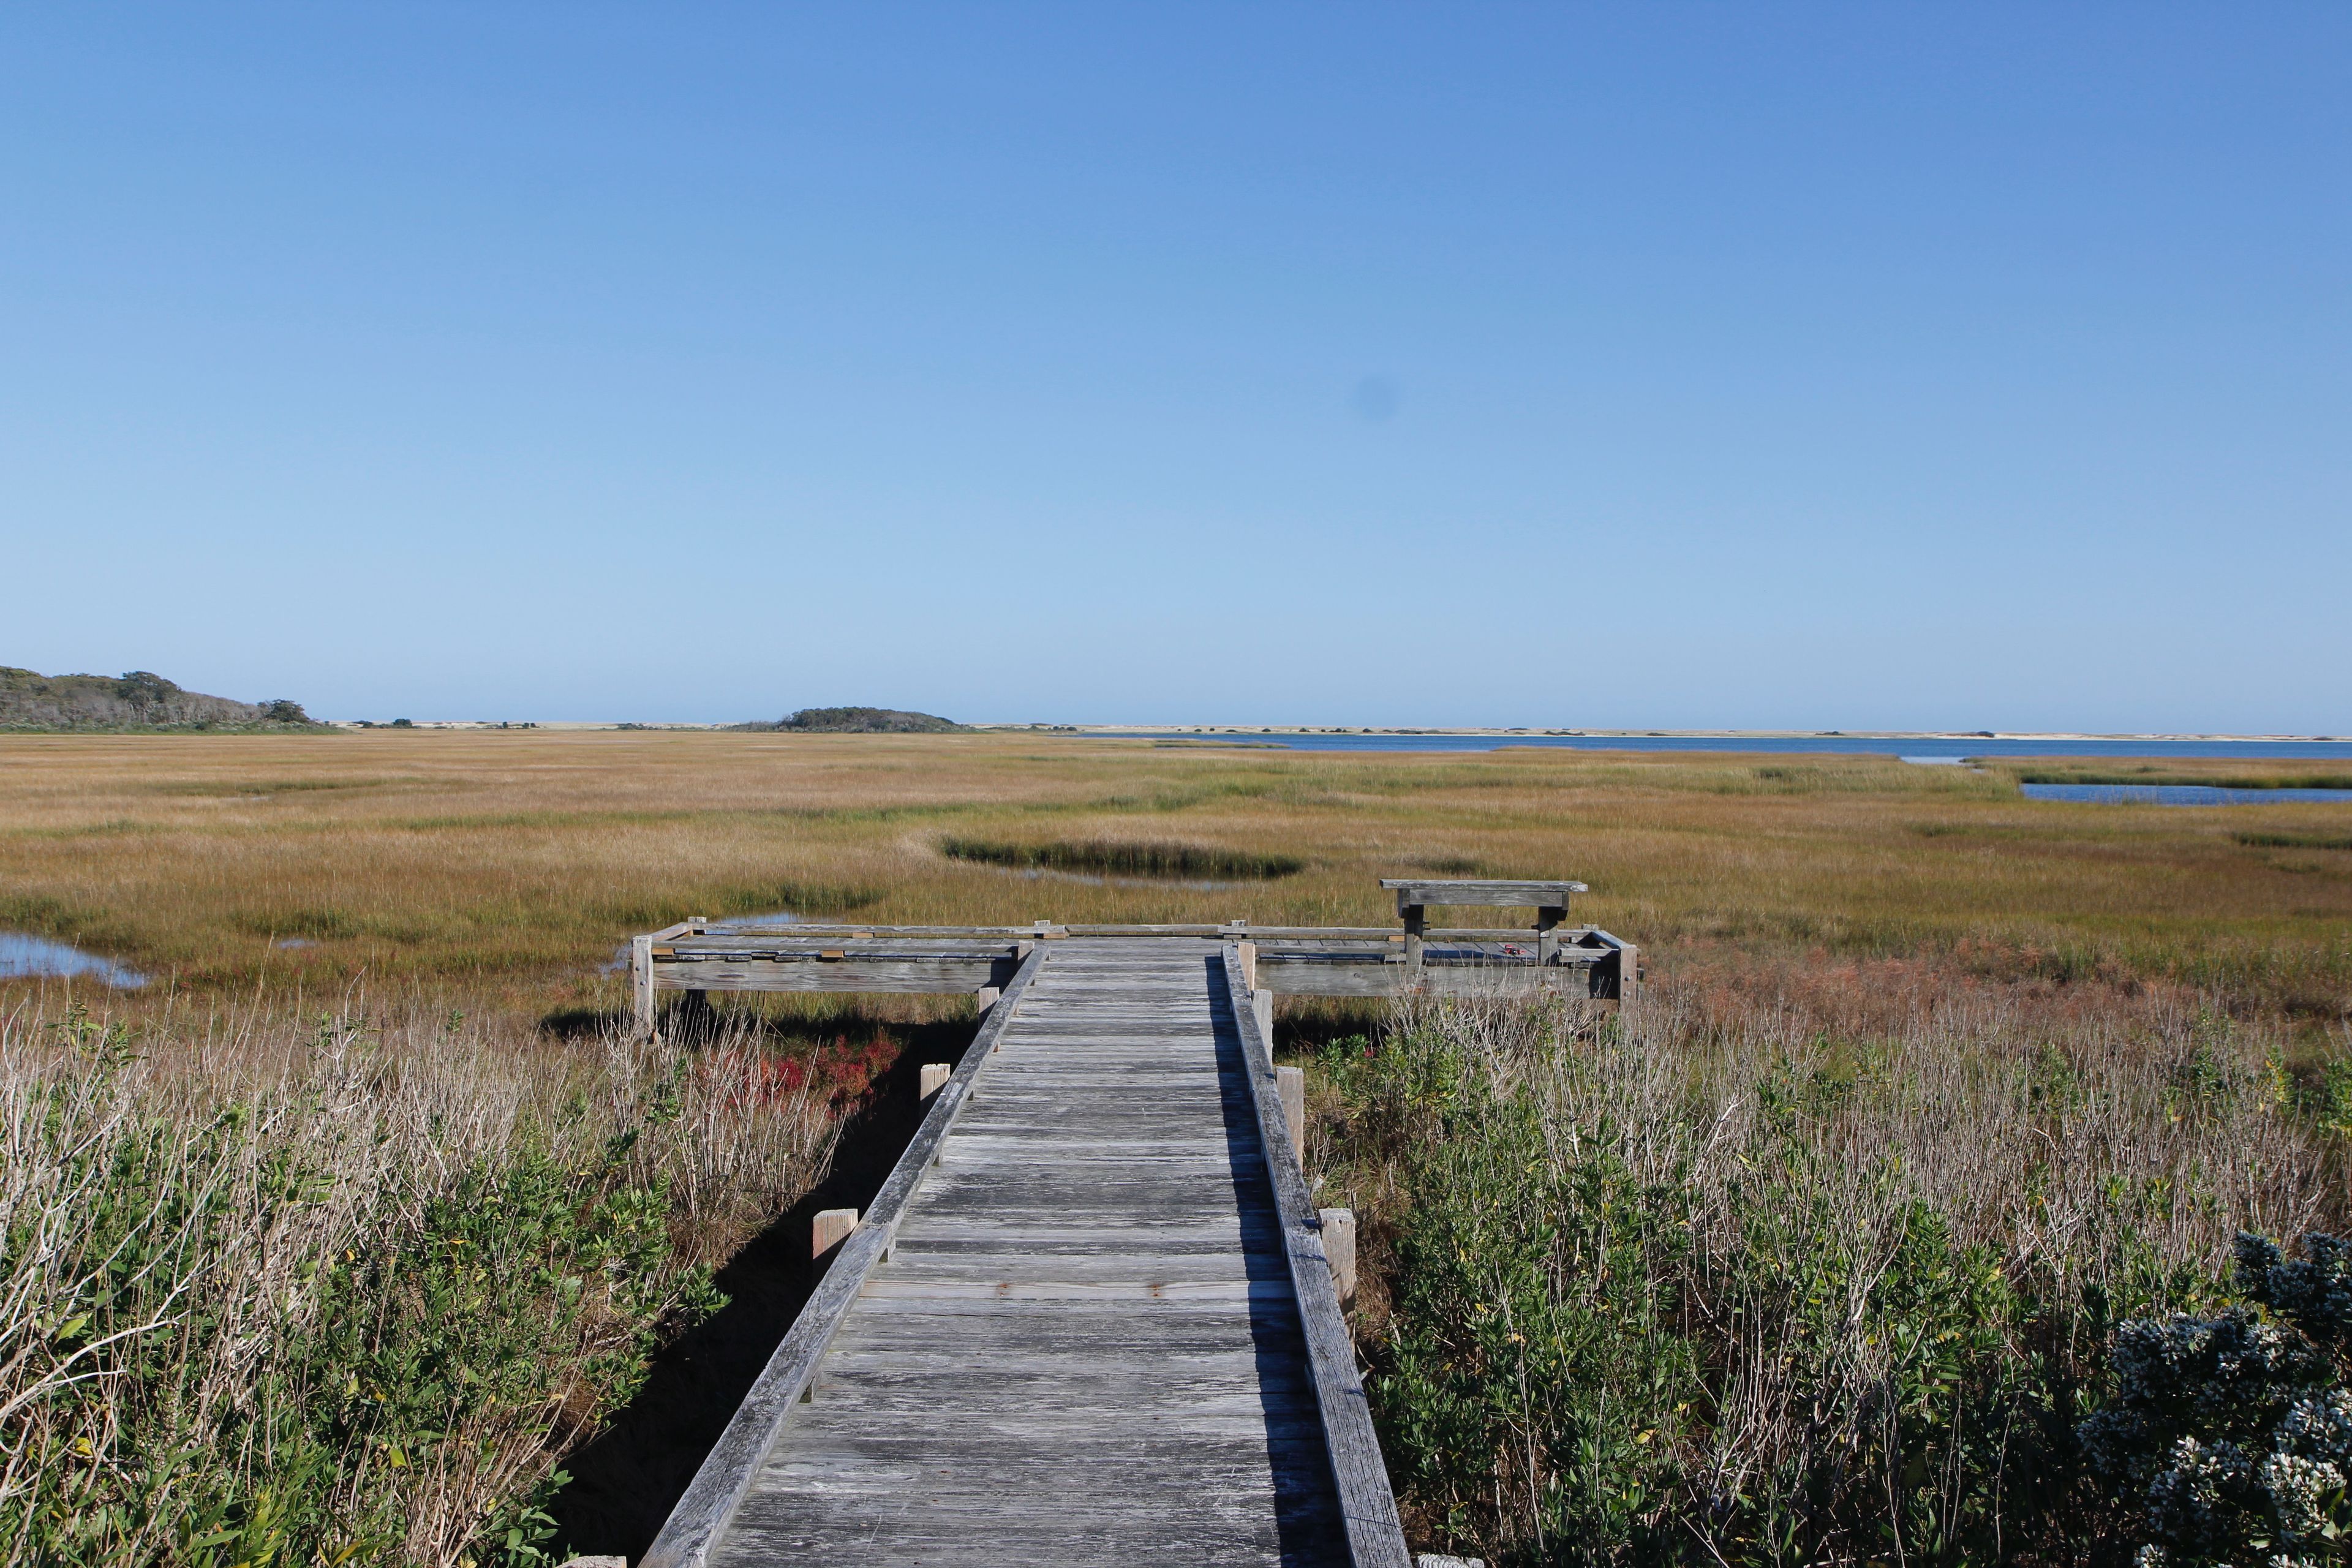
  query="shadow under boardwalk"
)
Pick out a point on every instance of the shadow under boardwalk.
point(1084, 1347)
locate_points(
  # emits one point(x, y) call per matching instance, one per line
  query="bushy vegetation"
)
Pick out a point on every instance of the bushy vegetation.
point(139, 700)
point(2230, 1438)
point(861, 721)
point(349, 1295)
point(1739, 1290)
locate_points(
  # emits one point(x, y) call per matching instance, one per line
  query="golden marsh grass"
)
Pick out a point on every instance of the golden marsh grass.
point(513, 863)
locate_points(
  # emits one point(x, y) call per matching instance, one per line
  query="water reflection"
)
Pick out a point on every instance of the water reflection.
point(22, 955)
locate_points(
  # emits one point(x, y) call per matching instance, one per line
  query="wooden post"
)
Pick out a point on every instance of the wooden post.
point(641, 984)
point(1547, 936)
point(1290, 1083)
point(1248, 951)
point(983, 999)
point(1339, 1246)
point(1262, 1004)
point(1628, 982)
point(934, 1078)
point(830, 1230)
point(1416, 921)
point(699, 1001)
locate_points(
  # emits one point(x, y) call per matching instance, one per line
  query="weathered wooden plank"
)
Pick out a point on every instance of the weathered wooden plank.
point(1292, 976)
point(698, 938)
point(1096, 1278)
point(641, 985)
point(1108, 1112)
point(919, 975)
point(1290, 1088)
point(829, 1229)
point(1340, 1246)
point(812, 929)
point(1375, 1535)
point(1454, 894)
point(728, 1471)
point(685, 949)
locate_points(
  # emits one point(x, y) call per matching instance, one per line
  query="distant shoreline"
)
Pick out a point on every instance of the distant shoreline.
point(1477, 731)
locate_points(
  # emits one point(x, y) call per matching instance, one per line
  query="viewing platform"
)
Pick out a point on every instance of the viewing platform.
point(1093, 1316)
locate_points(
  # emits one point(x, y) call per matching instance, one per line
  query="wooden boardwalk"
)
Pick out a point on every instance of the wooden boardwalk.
point(1088, 1320)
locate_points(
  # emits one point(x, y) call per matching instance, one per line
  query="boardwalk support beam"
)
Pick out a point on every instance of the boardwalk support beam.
point(1340, 1246)
point(829, 1229)
point(1290, 1083)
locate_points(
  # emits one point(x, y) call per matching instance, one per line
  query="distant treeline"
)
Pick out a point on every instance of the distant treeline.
point(138, 700)
point(858, 721)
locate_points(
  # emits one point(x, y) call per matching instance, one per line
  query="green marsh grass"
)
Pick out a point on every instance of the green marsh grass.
point(1179, 861)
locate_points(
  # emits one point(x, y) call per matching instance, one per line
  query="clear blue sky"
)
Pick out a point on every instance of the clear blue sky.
point(1743, 366)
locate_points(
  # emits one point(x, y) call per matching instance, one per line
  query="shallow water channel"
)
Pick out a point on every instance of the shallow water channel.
point(22, 955)
point(2173, 795)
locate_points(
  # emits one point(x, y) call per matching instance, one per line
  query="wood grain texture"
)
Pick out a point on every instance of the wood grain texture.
point(1375, 1535)
point(711, 1498)
point(1082, 1343)
point(829, 1229)
point(641, 985)
point(930, 974)
point(1444, 972)
point(1339, 1246)
point(1410, 890)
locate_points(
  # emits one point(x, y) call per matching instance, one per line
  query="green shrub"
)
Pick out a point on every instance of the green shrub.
point(354, 1313)
point(2231, 1436)
point(1537, 1352)
point(1703, 1297)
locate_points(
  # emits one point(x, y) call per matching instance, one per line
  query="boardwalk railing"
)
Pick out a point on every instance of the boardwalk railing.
point(1367, 1504)
point(699, 956)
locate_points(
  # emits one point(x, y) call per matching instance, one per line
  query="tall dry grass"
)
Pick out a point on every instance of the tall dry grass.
point(346, 1289)
point(513, 864)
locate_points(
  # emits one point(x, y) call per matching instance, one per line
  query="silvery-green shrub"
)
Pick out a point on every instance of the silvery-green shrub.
point(2234, 1433)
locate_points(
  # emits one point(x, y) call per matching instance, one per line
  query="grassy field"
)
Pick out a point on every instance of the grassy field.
point(1984, 1075)
point(513, 864)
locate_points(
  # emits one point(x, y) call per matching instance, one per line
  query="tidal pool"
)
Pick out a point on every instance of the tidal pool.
point(22, 955)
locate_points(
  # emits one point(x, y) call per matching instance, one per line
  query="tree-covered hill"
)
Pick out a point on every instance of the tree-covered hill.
point(859, 721)
point(139, 699)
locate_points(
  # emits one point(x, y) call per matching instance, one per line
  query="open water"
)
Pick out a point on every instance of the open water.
point(22, 955)
point(2173, 795)
point(1910, 747)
